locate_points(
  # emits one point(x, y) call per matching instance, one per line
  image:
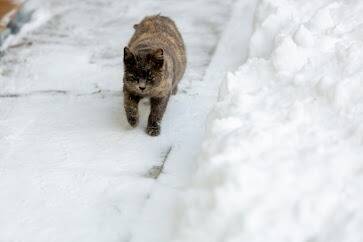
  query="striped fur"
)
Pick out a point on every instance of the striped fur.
point(154, 61)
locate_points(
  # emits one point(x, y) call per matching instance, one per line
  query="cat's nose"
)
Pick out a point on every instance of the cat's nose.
point(142, 84)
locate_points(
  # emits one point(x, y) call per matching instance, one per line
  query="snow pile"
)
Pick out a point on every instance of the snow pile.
point(283, 156)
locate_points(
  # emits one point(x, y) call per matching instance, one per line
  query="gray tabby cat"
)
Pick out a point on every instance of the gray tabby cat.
point(154, 63)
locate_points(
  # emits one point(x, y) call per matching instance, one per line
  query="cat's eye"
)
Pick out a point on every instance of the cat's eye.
point(149, 76)
point(132, 77)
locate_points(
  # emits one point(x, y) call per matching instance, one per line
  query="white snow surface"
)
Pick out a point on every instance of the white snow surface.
point(282, 159)
point(71, 168)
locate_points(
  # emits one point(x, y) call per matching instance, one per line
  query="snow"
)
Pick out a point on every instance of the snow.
point(270, 152)
point(282, 158)
point(71, 168)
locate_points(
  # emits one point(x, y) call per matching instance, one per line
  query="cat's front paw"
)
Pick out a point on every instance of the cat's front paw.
point(153, 130)
point(133, 121)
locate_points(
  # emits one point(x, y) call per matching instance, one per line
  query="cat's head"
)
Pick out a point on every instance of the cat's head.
point(143, 70)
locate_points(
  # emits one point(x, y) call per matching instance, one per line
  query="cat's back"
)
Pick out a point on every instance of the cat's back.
point(161, 32)
point(157, 28)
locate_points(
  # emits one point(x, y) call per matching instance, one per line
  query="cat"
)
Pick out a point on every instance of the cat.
point(154, 63)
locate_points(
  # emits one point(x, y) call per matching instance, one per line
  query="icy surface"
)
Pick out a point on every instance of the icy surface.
point(283, 157)
point(71, 169)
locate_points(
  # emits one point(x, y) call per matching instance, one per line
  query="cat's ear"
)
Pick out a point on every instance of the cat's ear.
point(158, 58)
point(129, 58)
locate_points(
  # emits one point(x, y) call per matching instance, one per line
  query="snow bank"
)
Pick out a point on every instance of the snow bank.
point(283, 156)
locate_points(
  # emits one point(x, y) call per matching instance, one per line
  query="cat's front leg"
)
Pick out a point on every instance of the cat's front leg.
point(131, 103)
point(158, 107)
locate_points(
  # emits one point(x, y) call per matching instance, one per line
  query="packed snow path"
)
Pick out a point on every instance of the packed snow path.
point(71, 169)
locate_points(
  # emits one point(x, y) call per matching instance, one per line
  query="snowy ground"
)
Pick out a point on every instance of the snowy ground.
point(283, 157)
point(71, 169)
